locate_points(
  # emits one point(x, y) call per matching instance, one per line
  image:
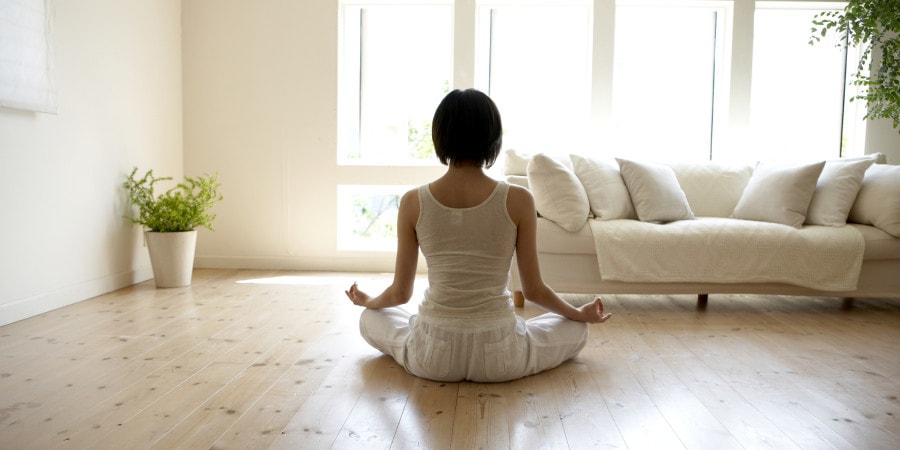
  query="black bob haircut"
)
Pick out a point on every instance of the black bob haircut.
point(467, 128)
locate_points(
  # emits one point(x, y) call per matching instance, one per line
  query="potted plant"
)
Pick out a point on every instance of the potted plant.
point(874, 25)
point(171, 220)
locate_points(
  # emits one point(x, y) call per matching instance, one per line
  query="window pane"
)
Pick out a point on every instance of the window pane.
point(396, 67)
point(367, 217)
point(797, 92)
point(663, 81)
point(534, 61)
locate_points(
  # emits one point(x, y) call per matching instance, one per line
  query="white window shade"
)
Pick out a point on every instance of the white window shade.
point(26, 80)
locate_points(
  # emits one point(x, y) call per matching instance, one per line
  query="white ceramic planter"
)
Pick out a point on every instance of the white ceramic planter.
point(172, 257)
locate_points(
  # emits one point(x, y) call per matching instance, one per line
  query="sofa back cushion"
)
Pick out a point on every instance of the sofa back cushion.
point(558, 195)
point(655, 192)
point(836, 190)
point(712, 189)
point(779, 193)
point(604, 186)
point(878, 202)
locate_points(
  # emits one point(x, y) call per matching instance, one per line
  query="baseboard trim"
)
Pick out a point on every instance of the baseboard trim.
point(45, 302)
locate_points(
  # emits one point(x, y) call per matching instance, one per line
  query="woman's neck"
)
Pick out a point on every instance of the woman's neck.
point(467, 170)
point(463, 186)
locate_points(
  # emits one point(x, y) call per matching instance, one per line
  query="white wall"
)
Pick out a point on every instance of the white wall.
point(118, 76)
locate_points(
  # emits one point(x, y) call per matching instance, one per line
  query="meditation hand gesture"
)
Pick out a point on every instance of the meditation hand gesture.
point(593, 312)
point(359, 298)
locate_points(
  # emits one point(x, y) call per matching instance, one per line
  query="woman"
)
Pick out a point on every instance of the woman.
point(469, 226)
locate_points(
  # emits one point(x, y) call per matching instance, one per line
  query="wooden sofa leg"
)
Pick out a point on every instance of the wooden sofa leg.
point(702, 300)
point(847, 303)
point(518, 299)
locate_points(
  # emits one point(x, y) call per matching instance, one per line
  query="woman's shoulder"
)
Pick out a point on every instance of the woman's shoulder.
point(519, 194)
point(411, 196)
point(519, 203)
point(409, 207)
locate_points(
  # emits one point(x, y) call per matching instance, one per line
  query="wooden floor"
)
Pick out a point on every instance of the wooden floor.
point(250, 359)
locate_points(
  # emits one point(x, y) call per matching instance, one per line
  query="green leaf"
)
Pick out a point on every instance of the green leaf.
point(184, 207)
point(874, 25)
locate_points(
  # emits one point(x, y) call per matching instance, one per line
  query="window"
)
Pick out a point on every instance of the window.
point(26, 56)
point(668, 79)
point(535, 62)
point(799, 95)
point(652, 79)
point(368, 217)
point(395, 68)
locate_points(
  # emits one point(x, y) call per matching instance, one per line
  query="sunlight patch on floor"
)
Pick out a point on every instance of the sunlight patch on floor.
point(317, 279)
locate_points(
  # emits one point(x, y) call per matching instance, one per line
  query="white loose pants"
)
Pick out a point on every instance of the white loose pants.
point(483, 349)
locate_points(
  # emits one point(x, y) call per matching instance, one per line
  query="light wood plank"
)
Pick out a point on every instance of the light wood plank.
point(144, 367)
point(481, 417)
point(584, 413)
point(321, 418)
point(374, 418)
point(184, 354)
point(539, 423)
point(427, 421)
point(260, 426)
point(206, 424)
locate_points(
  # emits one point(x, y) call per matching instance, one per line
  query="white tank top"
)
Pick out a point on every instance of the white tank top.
point(468, 252)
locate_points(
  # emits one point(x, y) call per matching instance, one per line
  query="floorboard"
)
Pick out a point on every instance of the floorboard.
point(246, 359)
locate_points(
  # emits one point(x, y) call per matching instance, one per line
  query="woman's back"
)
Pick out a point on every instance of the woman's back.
point(468, 251)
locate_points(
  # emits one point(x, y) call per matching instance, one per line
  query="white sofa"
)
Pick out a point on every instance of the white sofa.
point(613, 226)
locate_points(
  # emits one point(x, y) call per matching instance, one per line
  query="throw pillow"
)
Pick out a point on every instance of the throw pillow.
point(606, 191)
point(514, 162)
point(878, 158)
point(835, 192)
point(655, 192)
point(779, 193)
point(558, 195)
point(878, 202)
point(712, 189)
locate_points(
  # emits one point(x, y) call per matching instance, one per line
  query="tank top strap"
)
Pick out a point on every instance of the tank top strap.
point(499, 194)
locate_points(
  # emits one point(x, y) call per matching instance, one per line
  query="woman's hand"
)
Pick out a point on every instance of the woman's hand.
point(359, 298)
point(593, 312)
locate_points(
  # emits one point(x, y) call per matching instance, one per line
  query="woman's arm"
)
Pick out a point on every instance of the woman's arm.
point(520, 205)
point(401, 290)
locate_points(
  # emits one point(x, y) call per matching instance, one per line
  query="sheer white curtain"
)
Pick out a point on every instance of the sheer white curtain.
point(26, 79)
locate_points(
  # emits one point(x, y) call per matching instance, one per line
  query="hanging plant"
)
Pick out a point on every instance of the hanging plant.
point(873, 26)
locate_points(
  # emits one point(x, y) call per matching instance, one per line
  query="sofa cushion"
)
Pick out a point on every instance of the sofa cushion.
point(722, 250)
point(655, 192)
point(779, 193)
point(836, 190)
point(878, 202)
point(700, 180)
point(555, 239)
point(558, 195)
point(606, 191)
point(879, 244)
